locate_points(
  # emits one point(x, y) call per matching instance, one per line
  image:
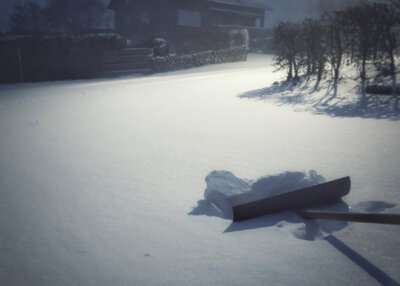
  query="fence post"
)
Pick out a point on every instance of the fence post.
point(21, 66)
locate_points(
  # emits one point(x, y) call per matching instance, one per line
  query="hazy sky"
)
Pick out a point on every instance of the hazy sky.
point(283, 9)
point(6, 7)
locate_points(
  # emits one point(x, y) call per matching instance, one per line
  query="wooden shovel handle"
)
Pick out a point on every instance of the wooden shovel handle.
point(346, 216)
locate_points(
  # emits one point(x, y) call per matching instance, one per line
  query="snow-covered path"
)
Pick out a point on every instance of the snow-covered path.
point(98, 179)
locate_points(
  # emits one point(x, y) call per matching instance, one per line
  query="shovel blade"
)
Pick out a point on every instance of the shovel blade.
point(303, 198)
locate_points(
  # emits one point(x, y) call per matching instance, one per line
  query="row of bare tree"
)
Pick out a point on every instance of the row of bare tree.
point(58, 16)
point(364, 35)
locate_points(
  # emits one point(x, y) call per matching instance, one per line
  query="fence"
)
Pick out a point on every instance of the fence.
point(44, 58)
point(128, 61)
point(63, 57)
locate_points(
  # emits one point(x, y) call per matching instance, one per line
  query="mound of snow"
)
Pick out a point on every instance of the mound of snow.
point(222, 185)
point(285, 182)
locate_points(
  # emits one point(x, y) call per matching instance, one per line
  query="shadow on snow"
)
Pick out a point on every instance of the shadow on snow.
point(311, 229)
point(285, 221)
point(379, 275)
point(307, 97)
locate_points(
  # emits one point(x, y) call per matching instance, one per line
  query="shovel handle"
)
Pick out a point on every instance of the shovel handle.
point(346, 216)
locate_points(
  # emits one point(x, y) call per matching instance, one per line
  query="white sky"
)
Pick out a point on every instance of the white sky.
point(283, 9)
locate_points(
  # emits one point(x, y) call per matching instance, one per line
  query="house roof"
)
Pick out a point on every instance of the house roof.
point(243, 3)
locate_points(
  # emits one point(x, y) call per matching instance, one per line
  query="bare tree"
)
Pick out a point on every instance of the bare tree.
point(59, 16)
point(27, 18)
point(395, 7)
point(287, 48)
point(365, 34)
point(361, 30)
point(386, 20)
point(313, 47)
point(337, 30)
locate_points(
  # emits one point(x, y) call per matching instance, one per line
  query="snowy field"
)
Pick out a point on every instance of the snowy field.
point(102, 181)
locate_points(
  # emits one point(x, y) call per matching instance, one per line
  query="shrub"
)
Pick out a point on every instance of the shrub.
point(176, 62)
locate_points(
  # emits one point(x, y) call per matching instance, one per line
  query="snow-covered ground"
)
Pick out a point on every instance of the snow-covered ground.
point(102, 182)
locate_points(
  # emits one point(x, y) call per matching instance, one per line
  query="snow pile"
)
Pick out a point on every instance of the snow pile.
point(222, 185)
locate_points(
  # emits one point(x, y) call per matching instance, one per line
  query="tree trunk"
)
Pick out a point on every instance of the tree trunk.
point(393, 72)
point(290, 72)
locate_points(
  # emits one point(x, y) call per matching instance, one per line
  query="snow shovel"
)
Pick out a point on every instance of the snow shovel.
point(244, 208)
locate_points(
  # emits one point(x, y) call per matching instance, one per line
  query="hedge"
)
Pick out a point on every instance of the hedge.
point(177, 62)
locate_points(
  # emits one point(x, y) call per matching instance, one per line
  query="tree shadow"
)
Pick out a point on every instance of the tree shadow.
point(369, 106)
point(309, 98)
point(311, 230)
point(376, 273)
point(297, 88)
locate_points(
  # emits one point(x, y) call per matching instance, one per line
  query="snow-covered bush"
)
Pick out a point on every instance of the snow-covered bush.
point(176, 62)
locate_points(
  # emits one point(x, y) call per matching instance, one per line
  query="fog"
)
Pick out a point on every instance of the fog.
point(281, 9)
point(6, 8)
point(294, 10)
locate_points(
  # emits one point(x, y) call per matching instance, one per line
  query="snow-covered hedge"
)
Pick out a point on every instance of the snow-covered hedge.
point(176, 62)
point(38, 58)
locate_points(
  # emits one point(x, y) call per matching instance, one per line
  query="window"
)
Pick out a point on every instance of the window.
point(189, 18)
point(145, 18)
point(258, 23)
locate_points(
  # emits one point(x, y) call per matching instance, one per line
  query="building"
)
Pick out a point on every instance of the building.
point(144, 19)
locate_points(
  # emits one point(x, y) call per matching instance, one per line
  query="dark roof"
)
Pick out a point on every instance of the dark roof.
point(243, 3)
